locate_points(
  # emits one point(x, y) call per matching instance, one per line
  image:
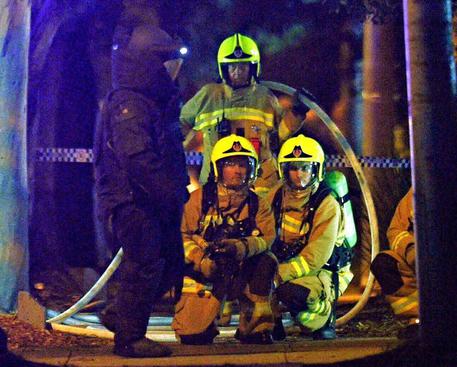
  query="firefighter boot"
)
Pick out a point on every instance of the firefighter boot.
point(143, 348)
point(256, 321)
point(278, 333)
point(204, 338)
point(328, 331)
point(108, 317)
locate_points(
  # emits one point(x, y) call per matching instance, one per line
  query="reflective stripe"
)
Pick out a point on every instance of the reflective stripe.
point(261, 245)
point(319, 307)
point(261, 191)
point(406, 304)
point(209, 119)
point(398, 238)
point(206, 222)
point(305, 317)
point(192, 286)
point(344, 279)
point(262, 309)
point(292, 225)
point(189, 246)
point(300, 265)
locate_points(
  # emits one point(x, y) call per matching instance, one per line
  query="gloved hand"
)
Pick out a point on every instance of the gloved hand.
point(236, 248)
point(207, 267)
point(299, 107)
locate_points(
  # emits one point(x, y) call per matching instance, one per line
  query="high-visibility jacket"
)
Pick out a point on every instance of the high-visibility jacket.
point(198, 307)
point(228, 201)
point(327, 231)
point(307, 268)
point(395, 269)
point(253, 111)
point(401, 229)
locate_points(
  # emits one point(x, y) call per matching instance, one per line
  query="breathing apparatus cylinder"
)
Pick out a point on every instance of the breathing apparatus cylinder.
point(337, 181)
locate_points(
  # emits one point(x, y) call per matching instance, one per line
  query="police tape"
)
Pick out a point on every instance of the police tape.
point(84, 155)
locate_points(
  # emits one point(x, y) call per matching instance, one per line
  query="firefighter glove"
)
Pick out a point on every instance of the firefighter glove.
point(207, 267)
point(298, 107)
point(235, 248)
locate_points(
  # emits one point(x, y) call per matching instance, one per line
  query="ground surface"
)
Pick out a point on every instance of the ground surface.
point(61, 291)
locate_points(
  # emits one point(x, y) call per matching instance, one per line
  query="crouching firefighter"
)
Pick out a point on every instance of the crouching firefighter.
point(395, 269)
point(315, 235)
point(227, 232)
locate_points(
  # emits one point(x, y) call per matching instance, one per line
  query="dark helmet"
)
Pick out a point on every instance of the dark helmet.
point(138, 57)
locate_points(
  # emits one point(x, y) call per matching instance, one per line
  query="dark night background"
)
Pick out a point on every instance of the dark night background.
point(313, 44)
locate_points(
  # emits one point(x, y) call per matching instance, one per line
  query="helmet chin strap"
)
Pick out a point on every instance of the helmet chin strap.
point(235, 188)
point(312, 186)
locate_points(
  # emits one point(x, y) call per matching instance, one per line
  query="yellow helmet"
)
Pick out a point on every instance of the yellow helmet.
point(302, 153)
point(238, 48)
point(234, 146)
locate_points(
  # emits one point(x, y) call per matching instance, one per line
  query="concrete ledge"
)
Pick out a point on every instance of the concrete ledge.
point(286, 353)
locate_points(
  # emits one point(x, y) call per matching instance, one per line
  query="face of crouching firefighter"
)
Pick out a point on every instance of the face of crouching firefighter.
point(301, 175)
point(235, 172)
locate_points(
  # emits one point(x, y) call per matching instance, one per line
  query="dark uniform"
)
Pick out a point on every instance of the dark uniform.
point(140, 180)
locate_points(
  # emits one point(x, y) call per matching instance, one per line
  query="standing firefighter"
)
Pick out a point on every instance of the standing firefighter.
point(140, 180)
point(227, 232)
point(311, 249)
point(395, 269)
point(241, 106)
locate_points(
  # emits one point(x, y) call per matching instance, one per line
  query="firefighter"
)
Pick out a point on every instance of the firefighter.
point(227, 232)
point(141, 179)
point(395, 269)
point(240, 105)
point(313, 265)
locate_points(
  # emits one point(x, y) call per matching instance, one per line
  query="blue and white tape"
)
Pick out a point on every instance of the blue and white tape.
point(84, 155)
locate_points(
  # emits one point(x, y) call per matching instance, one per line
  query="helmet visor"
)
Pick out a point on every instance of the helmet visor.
point(300, 175)
point(237, 171)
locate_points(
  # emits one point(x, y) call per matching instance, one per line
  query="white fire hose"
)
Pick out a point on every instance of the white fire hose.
point(282, 88)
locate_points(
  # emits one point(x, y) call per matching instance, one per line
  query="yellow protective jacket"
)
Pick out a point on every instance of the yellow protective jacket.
point(327, 232)
point(254, 112)
point(229, 201)
point(401, 229)
point(404, 300)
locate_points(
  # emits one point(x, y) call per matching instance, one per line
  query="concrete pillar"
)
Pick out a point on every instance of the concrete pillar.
point(433, 128)
point(14, 46)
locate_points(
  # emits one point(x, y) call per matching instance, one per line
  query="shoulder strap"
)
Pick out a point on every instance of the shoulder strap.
point(253, 208)
point(315, 201)
point(209, 197)
point(276, 205)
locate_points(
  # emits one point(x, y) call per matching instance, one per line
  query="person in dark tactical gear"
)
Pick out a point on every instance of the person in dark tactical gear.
point(141, 179)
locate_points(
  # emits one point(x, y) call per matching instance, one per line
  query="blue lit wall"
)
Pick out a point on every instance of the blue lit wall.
point(14, 43)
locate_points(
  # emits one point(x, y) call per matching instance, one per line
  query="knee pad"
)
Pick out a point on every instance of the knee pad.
point(293, 296)
point(385, 269)
point(261, 282)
